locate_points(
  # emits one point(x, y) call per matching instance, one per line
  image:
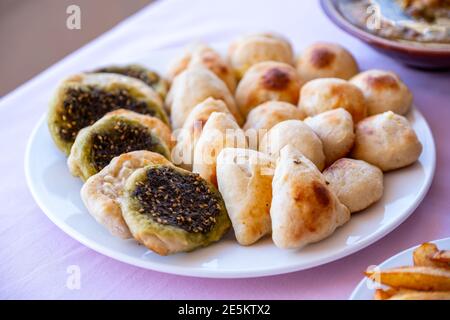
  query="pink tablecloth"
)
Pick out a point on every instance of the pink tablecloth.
point(35, 254)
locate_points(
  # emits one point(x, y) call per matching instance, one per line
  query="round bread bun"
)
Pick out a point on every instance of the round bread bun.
point(268, 114)
point(325, 94)
point(267, 81)
point(188, 135)
point(251, 49)
point(208, 57)
point(384, 91)
point(335, 130)
point(356, 183)
point(326, 60)
point(299, 136)
point(193, 86)
point(387, 141)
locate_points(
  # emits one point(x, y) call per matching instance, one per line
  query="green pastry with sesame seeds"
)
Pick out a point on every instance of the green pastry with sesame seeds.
point(82, 99)
point(116, 133)
point(151, 78)
point(169, 209)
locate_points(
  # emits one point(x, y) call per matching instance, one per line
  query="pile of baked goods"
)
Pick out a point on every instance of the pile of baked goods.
point(259, 141)
point(428, 279)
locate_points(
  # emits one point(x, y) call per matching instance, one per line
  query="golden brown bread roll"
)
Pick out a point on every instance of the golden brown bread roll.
point(251, 49)
point(387, 141)
point(325, 94)
point(192, 86)
point(326, 60)
point(208, 57)
point(304, 209)
point(267, 81)
point(245, 181)
point(384, 91)
point(335, 130)
point(296, 134)
point(220, 131)
point(188, 135)
point(356, 183)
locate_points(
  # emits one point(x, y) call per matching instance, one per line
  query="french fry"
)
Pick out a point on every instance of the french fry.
point(420, 295)
point(442, 256)
point(384, 294)
point(428, 255)
point(414, 278)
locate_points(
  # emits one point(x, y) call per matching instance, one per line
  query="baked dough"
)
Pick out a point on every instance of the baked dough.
point(325, 94)
point(188, 135)
point(219, 132)
point(150, 77)
point(193, 86)
point(296, 134)
point(326, 60)
point(335, 130)
point(208, 57)
point(267, 81)
point(268, 114)
point(251, 49)
point(387, 141)
point(304, 209)
point(82, 99)
point(102, 192)
point(244, 178)
point(117, 132)
point(356, 183)
point(171, 210)
point(384, 91)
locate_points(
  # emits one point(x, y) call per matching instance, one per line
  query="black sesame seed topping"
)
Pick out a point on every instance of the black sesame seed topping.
point(180, 200)
point(121, 138)
point(85, 105)
point(147, 76)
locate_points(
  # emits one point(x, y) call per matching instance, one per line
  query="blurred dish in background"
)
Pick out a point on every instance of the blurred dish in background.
point(421, 39)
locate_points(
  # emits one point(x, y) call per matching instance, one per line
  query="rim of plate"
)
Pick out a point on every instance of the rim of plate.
point(229, 273)
point(358, 288)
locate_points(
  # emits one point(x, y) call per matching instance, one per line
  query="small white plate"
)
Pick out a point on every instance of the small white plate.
point(366, 288)
point(57, 193)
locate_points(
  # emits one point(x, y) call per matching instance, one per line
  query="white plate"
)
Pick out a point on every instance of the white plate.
point(366, 288)
point(57, 193)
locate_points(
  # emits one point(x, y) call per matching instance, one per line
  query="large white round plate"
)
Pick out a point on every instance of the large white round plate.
point(57, 193)
point(366, 288)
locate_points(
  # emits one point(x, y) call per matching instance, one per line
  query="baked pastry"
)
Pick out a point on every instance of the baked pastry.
point(304, 209)
point(220, 131)
point(208, 57)
point(267, 81)
point(188, 135)
point(299, 136)
point(384, 91)
point(82, 99)
point(325, 94)
point(251, 49)
point(326, 60)
point(151, 78)
point(193, 86)
point(387, 141)
point(268, 114)
point(102, 192)
point(335, 130)
point(170, 210)
point(244, 178)
point(356, 183)
point(117, 132)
